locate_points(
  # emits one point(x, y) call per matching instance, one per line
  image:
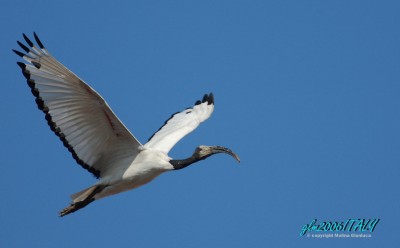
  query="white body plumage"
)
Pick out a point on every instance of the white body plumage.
point(147, 165)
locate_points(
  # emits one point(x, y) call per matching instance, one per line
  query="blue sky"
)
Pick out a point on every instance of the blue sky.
point(306, 92)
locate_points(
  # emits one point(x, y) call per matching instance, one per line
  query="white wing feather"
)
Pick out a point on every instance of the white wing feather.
point(181, 124)
point(85, 123)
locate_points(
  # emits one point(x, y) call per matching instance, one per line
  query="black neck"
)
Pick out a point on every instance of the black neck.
point(182, 163)
point(201, 152)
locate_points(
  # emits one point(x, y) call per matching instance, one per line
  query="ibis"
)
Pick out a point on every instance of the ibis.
point(94, 135)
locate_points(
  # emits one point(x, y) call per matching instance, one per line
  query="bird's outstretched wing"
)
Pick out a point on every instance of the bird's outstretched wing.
point(78, 115)
point(181, 124)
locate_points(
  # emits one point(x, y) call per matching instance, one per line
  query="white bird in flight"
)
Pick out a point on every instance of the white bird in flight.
point(97, 139)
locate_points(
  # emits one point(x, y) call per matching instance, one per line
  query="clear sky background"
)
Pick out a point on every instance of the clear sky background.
point(306, 92)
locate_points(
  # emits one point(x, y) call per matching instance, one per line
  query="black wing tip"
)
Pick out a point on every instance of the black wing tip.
point(22, 65)
point(209, 98)
point(23, 47)
point(38, 40)
point(19, 53)
point(30, 43)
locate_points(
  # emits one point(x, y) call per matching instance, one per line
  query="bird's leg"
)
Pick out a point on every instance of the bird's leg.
point(74, 206)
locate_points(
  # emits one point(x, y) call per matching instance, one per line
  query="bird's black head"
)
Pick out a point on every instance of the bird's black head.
point(202, 152)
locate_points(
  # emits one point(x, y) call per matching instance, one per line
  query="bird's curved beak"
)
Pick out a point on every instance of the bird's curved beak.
point(221, 149)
